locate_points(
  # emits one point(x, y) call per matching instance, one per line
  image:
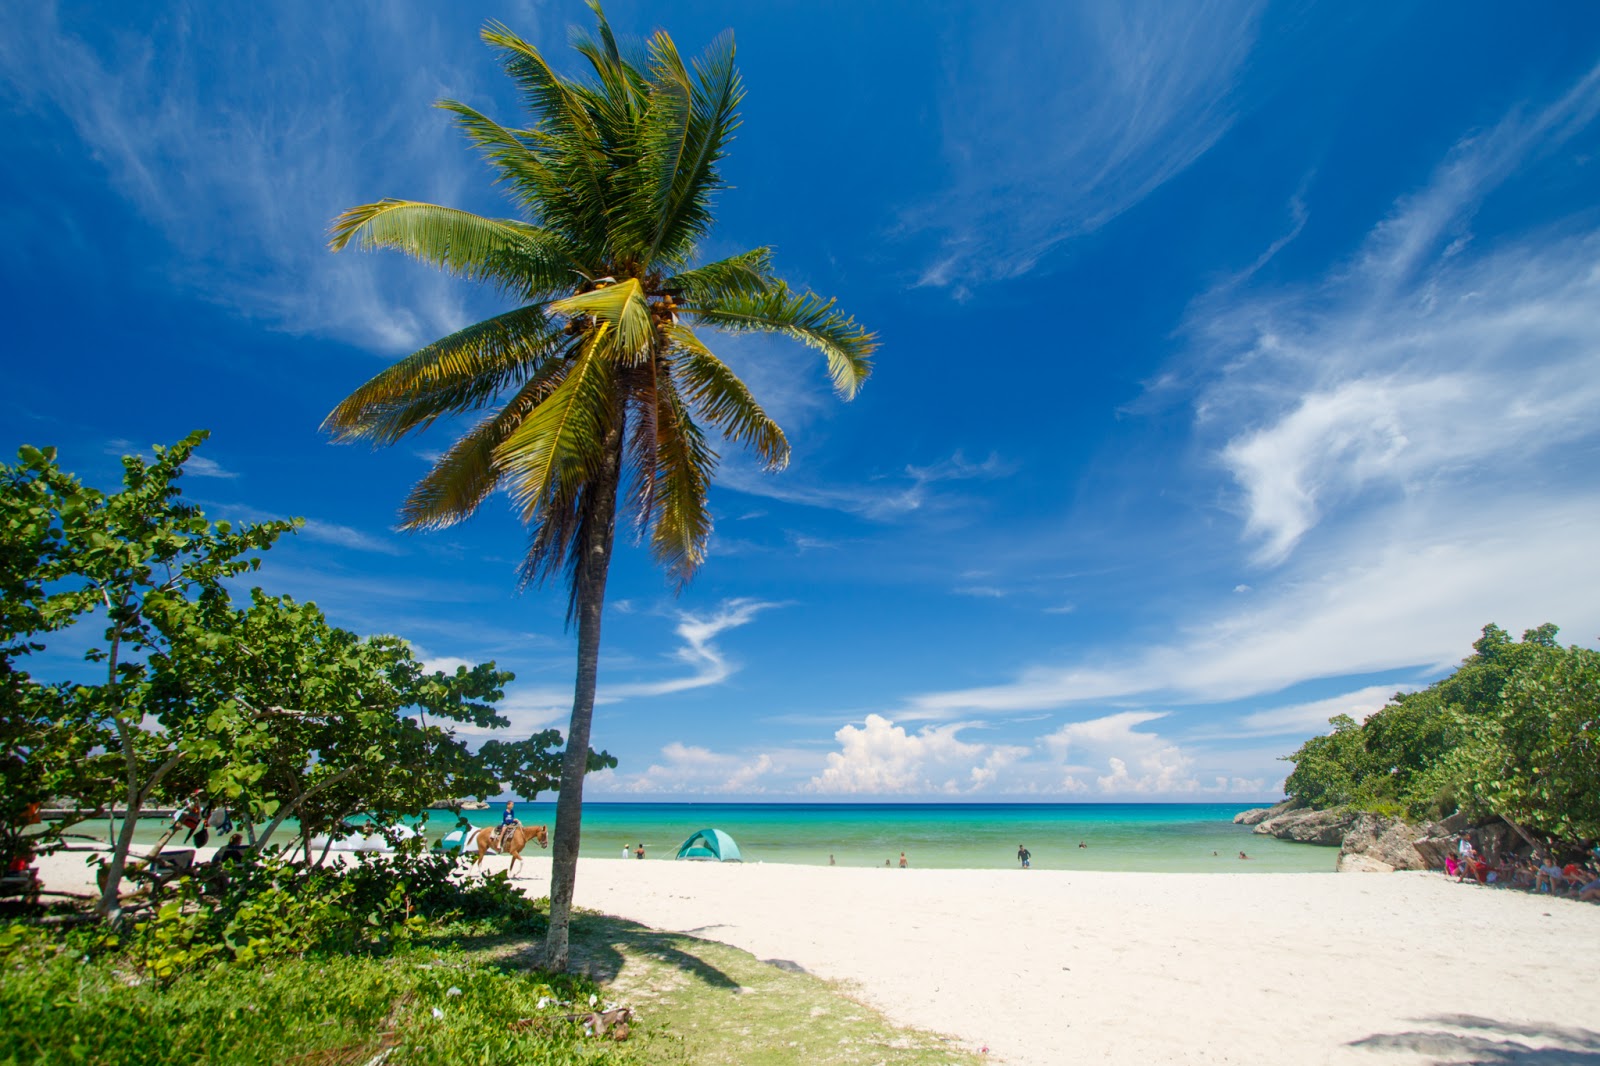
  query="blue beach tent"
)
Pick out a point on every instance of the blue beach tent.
point(712, 845)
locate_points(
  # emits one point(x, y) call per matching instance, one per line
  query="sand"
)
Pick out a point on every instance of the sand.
point(1044, 966)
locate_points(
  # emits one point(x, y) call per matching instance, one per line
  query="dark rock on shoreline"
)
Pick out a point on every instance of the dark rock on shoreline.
point(1261, 814)
point(1373, 843)
point(1306, 826)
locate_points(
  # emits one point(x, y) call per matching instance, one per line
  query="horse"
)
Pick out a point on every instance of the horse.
point(515, 841)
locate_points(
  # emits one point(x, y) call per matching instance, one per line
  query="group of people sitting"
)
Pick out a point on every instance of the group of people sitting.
point(1535, 872)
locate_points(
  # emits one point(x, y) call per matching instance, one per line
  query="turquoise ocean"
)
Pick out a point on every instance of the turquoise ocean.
point(1119, 836)
point(1180, 837)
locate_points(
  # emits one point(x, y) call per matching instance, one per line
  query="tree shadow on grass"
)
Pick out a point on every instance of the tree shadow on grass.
point(1467, 1038)
point(598, 947)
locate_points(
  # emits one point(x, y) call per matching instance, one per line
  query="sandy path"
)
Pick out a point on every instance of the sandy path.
point(1050, 967)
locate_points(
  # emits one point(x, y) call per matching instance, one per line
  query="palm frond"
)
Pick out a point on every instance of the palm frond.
point(624, 88)
point(684, 466)
point(518, 158)
point(725, 401)
point(688, 167)
point(621, 306)
point(804, 316)
point(459, 373)
point(465, 475)
point(564, 436)
point(561, 110)
point(521, 259)
point(746, 274)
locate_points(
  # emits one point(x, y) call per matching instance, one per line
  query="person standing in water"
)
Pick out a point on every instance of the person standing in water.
point(1024, 856)
point(902, 860)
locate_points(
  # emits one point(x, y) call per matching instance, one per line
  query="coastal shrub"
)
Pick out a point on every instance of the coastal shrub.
point(1514, 732)
point(62, 1003)
point(274, 909)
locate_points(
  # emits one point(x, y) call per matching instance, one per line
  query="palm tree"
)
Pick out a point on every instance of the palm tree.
point(597, 385)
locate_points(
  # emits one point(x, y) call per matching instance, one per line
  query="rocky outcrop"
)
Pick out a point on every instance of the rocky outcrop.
point(1356, 863)
point(1374, 843)
point(1261, 814)
point(1387, 842)
point(1306, 826)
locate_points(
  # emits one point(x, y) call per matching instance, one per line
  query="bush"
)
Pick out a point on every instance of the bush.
point(60, 1003)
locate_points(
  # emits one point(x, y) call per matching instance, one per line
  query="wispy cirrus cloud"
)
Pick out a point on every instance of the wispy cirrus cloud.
point(890, 497)
point(1059, 118)
point(1407, 590)
point(1411, 437)
point(708, 664)
point(1364, 384)
point(696, 770)
point(220, 126)
point(194, 466)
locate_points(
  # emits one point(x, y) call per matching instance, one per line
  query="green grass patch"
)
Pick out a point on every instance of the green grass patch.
point(725, 1006)
point(464, 992)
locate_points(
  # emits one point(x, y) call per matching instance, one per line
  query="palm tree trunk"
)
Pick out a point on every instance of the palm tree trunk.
point(599, 527)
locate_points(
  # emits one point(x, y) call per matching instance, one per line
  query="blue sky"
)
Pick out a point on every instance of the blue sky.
point(1239, 363)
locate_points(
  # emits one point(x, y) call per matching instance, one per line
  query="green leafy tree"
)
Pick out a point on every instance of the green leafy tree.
point(597, 385)
point(43, 756)
point(319, 724)
point(1329, 769)
point(1512, 732)
point(1537, 762)
point(132, 562)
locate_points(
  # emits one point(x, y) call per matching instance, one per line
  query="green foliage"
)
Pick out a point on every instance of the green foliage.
point(1514, 732)
point(1538, 760)
point(1328, 769)
point(126, 561)
point(251, 913)
point(61, 1001)
point(268, 709)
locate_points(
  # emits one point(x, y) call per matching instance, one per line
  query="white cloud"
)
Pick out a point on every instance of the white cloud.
point(194, 466)
point(709, 665)
point(346, 537)
point(881, 758)
point(889, 498)
point(1302, 719)
point(1419, 367)
point(200, 466)
point(220, 126)
point(691, 769)
point(1105, 756)
point(1407, 589)
point(1117, 99)
point(1413, 438)
point(1133, 762)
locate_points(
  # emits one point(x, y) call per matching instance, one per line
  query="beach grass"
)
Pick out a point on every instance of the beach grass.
point(728, 1007)
point(467, 994)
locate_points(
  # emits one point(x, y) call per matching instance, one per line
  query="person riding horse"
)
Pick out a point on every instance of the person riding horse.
point(508, 823)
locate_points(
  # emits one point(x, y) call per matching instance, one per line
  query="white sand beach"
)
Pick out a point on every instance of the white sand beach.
point(1050, 967)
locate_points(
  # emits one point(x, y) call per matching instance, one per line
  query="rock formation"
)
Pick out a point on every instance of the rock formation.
point(1375, 843)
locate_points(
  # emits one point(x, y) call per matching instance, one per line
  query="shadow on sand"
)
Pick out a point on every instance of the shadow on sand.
point(599, 944)
point(1467, 1038)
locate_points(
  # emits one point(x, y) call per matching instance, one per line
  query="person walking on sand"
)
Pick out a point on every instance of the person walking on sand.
point(1024, 856)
